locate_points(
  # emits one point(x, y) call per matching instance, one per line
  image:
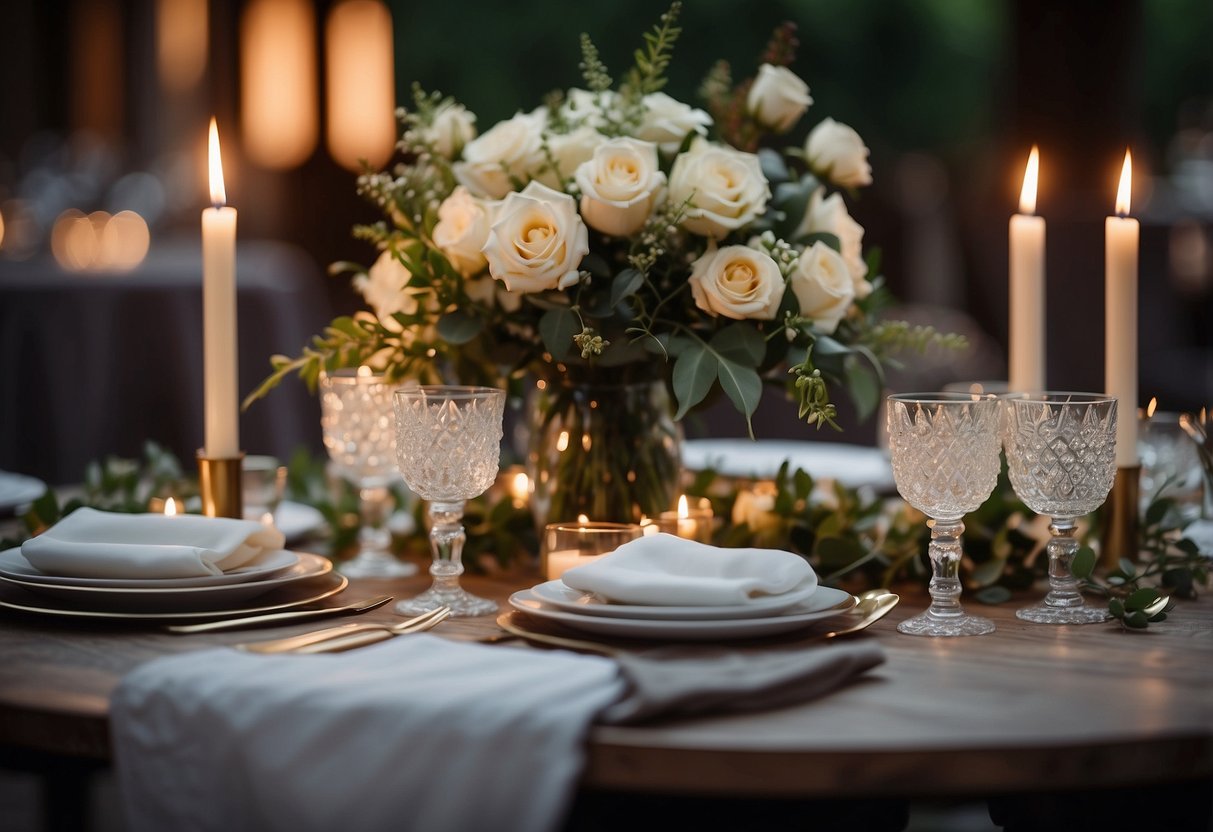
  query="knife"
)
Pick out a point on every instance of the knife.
point(278, 617)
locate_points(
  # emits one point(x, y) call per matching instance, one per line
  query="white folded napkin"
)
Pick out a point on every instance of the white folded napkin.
point(99, 544)
point(416, 733)
point(664, 570)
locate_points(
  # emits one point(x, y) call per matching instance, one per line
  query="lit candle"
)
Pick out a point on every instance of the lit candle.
point(170, 507)
point(520, 489)
point(561, 561)
point(689, 523)
point(1027, 286)
point(1120, 338)
point(219, 315)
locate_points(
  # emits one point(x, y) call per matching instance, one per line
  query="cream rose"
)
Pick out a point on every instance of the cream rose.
point(778, 98)
point(822, 284)
point(568, 151)
point(385, 287)
point(619, 186)
point(829, 215)
point(510, 150)
point(537, 240)
point(452, 128)
point(463, 227)
point(835, 151)
point(725, 188)
point(737, 282)
point(485, 290)
point(667, 121)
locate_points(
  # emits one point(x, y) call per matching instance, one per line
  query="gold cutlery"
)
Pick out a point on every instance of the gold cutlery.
point(347, 636)
point(275, 618)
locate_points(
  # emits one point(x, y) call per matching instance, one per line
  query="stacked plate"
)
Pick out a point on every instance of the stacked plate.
point(278, 580)
point(555, 601)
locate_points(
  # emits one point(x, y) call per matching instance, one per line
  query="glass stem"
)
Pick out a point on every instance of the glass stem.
point(374, 536)
point(446, 539)
point(1063, 586)
point(944, 552)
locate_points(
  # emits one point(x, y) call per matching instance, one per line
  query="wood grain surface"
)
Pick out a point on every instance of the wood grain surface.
point(1030, 707)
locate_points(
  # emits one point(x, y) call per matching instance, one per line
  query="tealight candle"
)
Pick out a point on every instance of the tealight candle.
point(687, 522)
point(566, 545)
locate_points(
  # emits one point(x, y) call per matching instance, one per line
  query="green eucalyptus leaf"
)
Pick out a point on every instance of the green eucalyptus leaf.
point(596, 265)
point(1084, 563)
point(557, 328)
point(1127, 568)
point(864, 386)
point(826, 345)
point(1137, 620)
point(743, 387)
point(773, 166)
point(1188, 547)
point(741, 343)
point(804, 483)
point(1117, 608)
point(1158, 510)
point(459, 327)
point(1141, 599)
point(625, 284)
point(695, 370)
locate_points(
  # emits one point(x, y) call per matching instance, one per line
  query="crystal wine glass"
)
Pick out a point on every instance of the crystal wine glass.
point(448, 444)
point(356, 417)
point(1061, 456)
point(945, 453)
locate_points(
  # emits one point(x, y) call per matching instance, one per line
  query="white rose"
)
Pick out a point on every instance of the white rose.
point(829, 215)
point(510, 150)
point(822, 284)
point(568, 151)
point(778, 98)
point(537, 240)
point(737, 282)
point(485, 290)
point(385, 288)
point(463, 227)
point(587, 107)
point(619, 186)
point(835, 151)
point(667, 121)
point(453, 127)
point(725, 188)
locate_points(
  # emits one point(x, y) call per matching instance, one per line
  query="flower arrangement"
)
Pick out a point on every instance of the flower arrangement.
point(615, 229)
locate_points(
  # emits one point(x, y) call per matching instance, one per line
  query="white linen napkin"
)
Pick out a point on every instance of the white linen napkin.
point(664, 570)
point(99, 544)
point(416, 733)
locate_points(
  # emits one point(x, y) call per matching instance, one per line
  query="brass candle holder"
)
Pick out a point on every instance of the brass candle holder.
point(1119, 538)
point(219, 486)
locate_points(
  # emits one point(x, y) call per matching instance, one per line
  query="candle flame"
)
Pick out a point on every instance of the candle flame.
point(1124, 191)
point(1151, 407)
point(170, 507)
point(1027, 196)
point(520, 488)
point(582, 520)
point(683, 511)
point(218, 192)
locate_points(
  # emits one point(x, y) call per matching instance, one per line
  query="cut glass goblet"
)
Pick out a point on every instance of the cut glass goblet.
point(945, 453)
point(448, 445)
point(1061, 457)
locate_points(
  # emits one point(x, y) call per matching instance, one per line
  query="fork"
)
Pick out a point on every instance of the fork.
point(347, 637)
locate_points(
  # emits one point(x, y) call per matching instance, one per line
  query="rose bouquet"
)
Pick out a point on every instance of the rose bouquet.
point(614, 245)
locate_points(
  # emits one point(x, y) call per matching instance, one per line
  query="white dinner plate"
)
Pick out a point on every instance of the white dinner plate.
point(176, 599)
point(294, 520)
point(557, 594)
point(851, 465)
point(294, 595)
point(14, 565)
point(823, 603)
point(18, 489)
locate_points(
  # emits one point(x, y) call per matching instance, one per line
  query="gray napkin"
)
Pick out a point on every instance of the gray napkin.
point(684, 681)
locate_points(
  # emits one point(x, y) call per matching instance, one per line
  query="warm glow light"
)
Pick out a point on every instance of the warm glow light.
point(181, 41)
point(360, 84)
point(95, 56)
point(1151, 407)
point(278, 93)
point(170, 507)
point(582, 520)
point(520, 486)
point(683, 511)
point(364, 371)
point(1, 230)
point(1027, 195)
point(99, 241)
point(218, 192)
point(1124, 191)
point(124, 241)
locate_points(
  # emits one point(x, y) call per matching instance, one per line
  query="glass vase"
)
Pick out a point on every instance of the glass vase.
point(608, 452)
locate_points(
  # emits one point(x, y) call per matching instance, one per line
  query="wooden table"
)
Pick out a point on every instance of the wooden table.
point(1028, 708)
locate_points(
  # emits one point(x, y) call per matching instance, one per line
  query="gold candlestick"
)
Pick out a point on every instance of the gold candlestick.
point(1119, 538)
point(219, 486)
